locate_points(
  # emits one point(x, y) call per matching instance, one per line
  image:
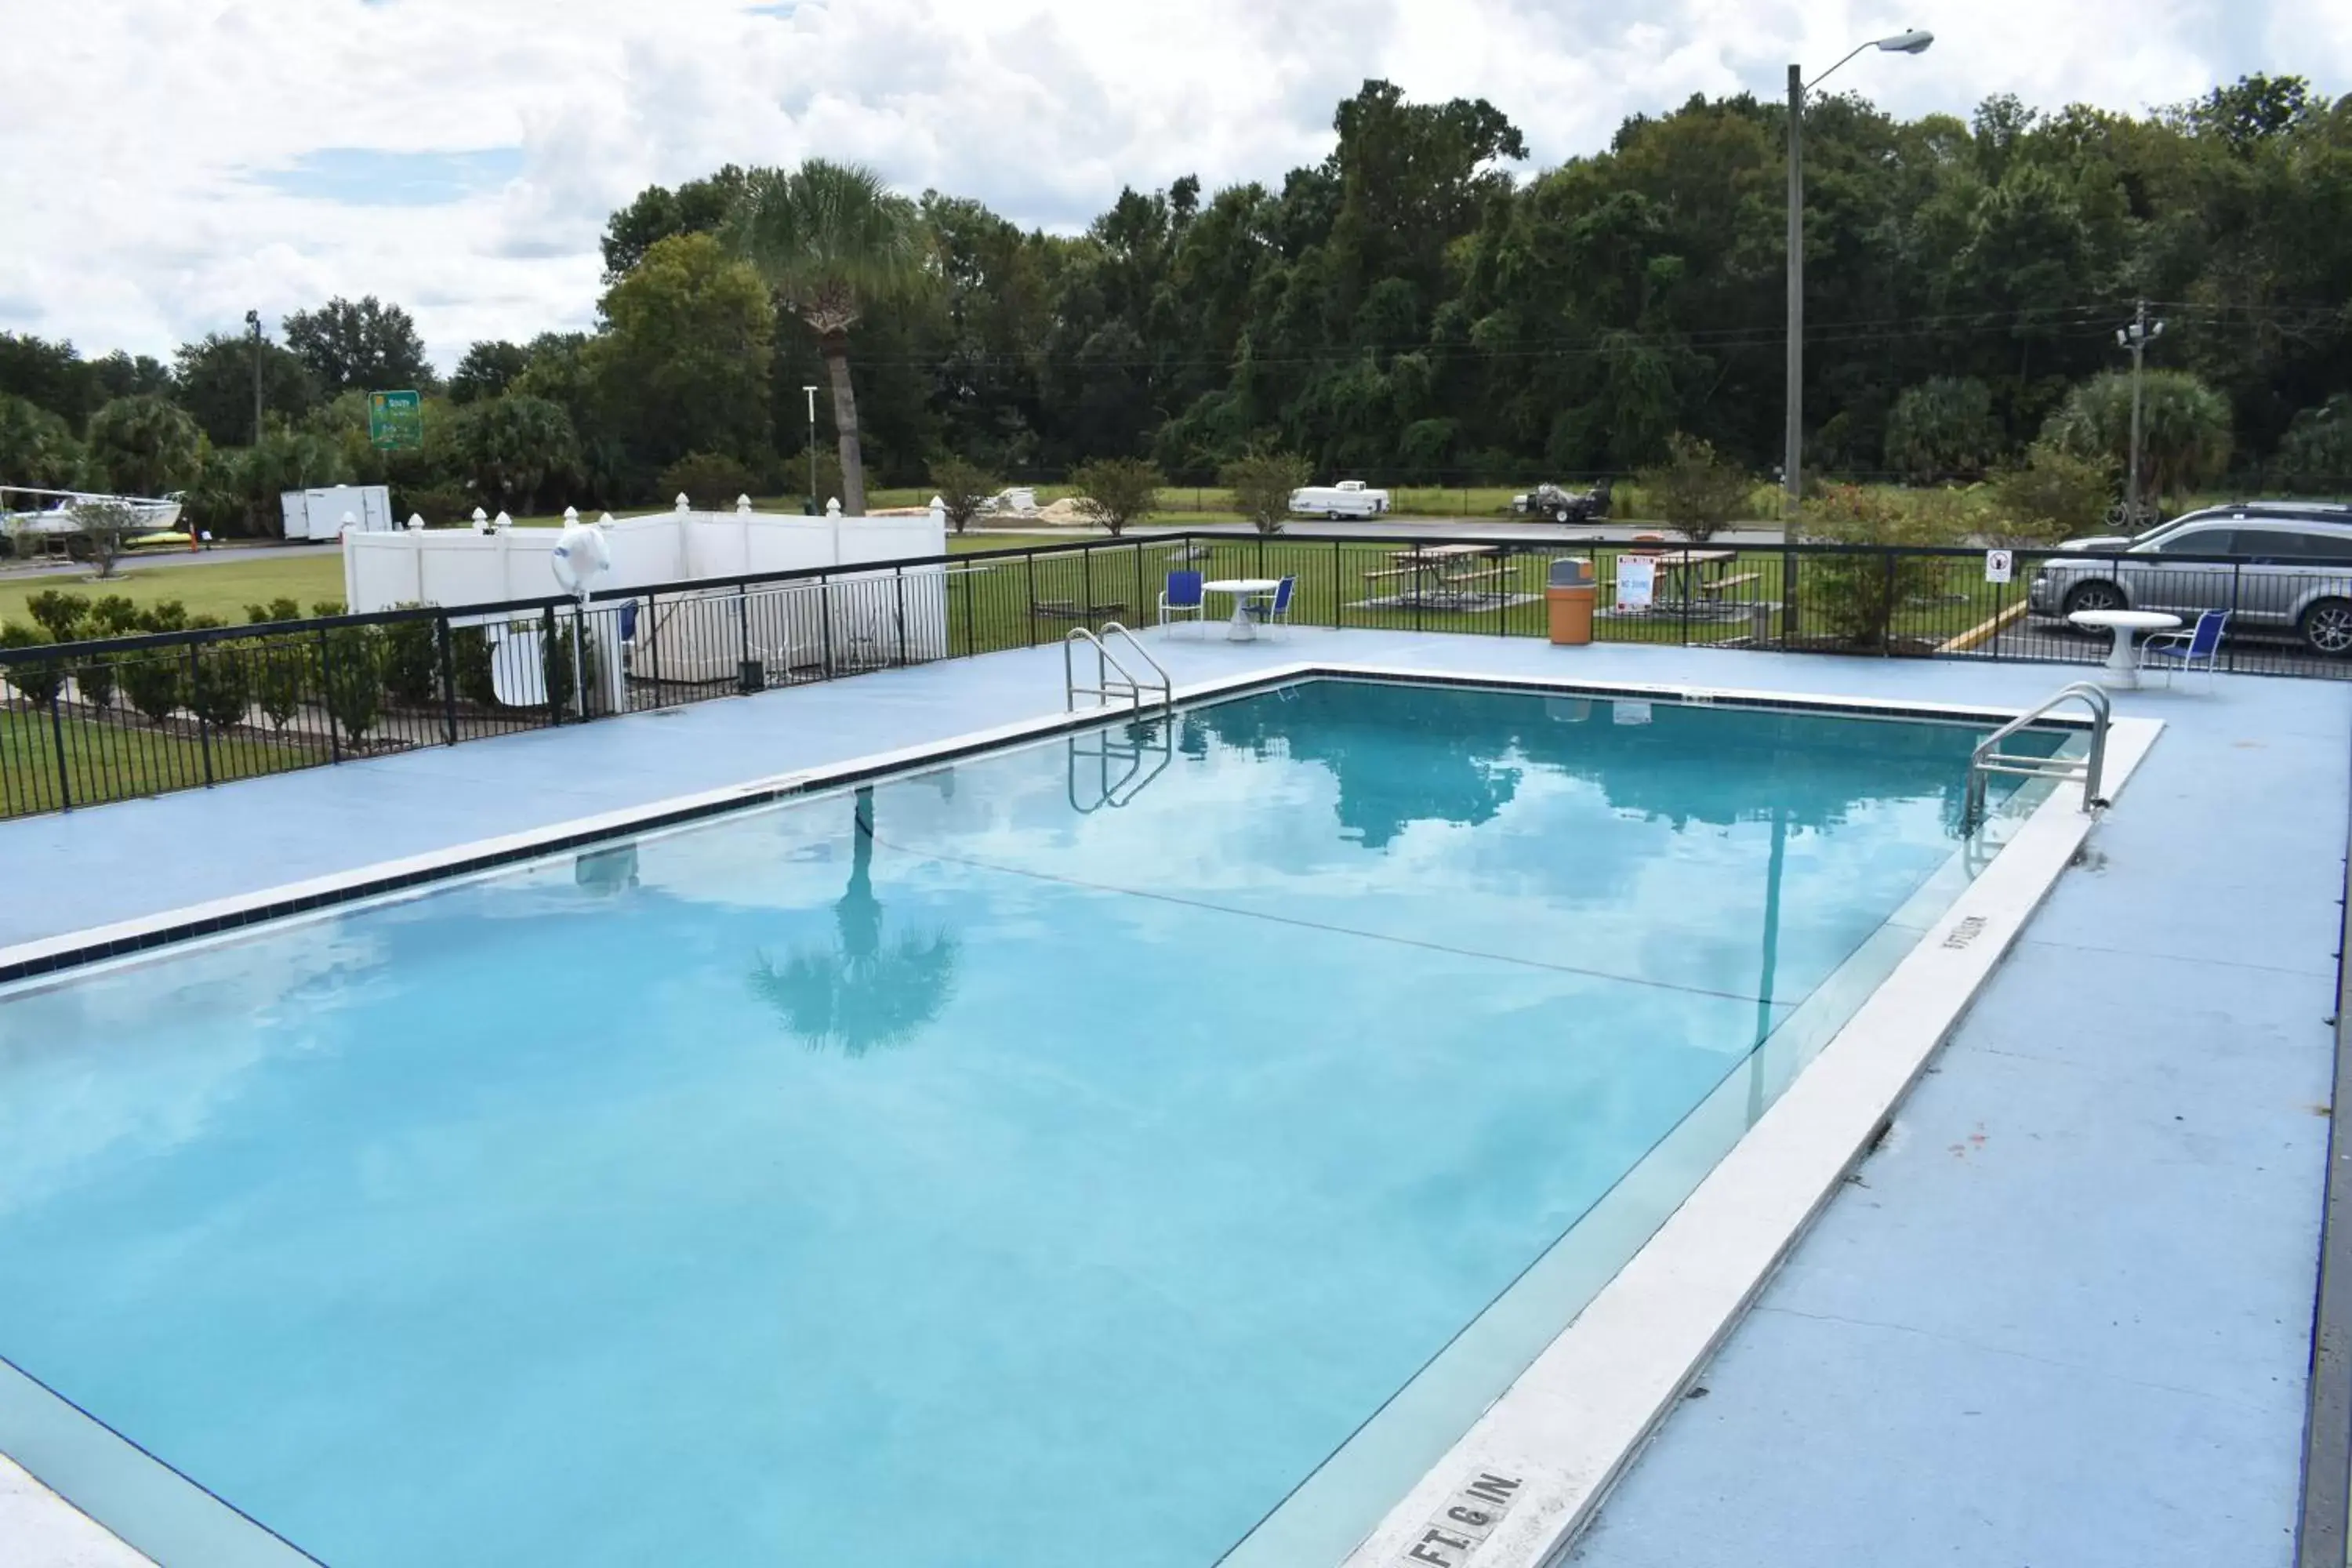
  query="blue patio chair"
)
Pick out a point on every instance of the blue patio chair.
point(1273, 609)
point(1182, 598)
point(2171, 651)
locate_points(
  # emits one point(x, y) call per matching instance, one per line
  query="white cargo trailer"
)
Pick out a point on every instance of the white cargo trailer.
point(319, 514)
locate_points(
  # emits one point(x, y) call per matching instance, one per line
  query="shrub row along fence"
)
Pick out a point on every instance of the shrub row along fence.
point(87, 723)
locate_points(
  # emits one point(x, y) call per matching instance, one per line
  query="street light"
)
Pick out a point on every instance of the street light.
point(1908, 43)
point(811, 444)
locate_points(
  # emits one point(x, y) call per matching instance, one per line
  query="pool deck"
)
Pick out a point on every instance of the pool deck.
point(2063, 1315)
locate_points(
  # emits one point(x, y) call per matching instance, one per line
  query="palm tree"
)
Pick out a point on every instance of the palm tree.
point(832, 240)
point(861, 992)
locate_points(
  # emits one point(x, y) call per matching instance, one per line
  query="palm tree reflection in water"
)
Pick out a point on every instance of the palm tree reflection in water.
point(864, 990)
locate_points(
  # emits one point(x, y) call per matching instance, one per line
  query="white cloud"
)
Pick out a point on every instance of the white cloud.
point(139, 219)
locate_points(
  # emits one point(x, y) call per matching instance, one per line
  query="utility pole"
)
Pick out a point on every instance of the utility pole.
point(253, 324)
point(811, 444)
point(2136, 338)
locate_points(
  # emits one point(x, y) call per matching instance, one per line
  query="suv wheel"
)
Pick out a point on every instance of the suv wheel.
point(1560, 514)
point(2327, 626)
point(2095, 596)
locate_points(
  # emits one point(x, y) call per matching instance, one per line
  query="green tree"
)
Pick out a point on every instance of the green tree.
point(1943, 428)
point(50, 375)
point(213, 380)
point(143, 445)
point(2315, 457)
point(37, 449)
point(1116, 492)
point(698, 206)
point(683, 363)
point(510, 448)
point(103, 529)
point(2053, 496)
point(1694, 489)
point(961, 486)
point(834, 243)
point(1262, 480)
point(1858, 598)
point(486, 371)
point(2184, 429)
point(710, 482)
point(362, 345)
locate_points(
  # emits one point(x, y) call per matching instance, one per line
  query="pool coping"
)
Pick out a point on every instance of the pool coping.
point(1605, 1336)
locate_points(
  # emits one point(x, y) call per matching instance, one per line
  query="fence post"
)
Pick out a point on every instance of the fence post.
point(2236, 574)
point(899, 585)
point(448, 678)
point(1791, 582)
point(58, 738)
point(1886, 632)
point(547, 662)
point(1085, 585)
point(204, 730)
point(1335, 584)
point(1029, 559)
point(1137, 548)
point(970, 631)
point(653, 640)
point(825, 618)
point(580, 659)
point(327, 696)
point(743, 643)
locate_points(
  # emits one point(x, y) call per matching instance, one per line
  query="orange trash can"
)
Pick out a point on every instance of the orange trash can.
point(1567, 600)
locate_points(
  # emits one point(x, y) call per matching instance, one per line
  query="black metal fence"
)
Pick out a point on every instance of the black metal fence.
point(91, 721)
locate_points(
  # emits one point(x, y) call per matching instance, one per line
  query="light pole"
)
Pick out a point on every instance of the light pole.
point(2135, 337)
point(253, 324)
point(811, 391)
point(1793, 437)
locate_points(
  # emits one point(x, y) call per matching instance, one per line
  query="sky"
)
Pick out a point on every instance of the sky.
point(187, 160)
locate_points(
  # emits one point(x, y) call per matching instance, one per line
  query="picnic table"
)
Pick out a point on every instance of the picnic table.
point(1440, 574)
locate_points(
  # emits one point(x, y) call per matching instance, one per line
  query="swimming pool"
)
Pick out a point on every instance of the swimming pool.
point(1151, 1146)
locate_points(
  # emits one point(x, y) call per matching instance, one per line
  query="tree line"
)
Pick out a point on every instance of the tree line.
point(1408, 310)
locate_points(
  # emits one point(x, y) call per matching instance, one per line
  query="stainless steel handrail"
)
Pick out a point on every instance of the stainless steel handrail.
point(1989, 759)
point(1106, 690)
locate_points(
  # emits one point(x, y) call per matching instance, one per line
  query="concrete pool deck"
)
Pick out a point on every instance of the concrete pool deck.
point(2063, 1315)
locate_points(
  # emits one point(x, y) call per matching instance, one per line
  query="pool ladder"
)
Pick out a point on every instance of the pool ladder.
point(1989, 759)
point(1114, 682)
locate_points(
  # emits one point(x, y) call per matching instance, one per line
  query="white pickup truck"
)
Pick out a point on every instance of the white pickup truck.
point(1349, 497)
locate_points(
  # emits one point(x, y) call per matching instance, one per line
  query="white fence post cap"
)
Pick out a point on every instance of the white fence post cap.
point(605, 521)
point(684, 504)
point(415, 521)
point(742, 503)
point(502, 522)
point(481, 516)
point(571, 514)
point(832, 507)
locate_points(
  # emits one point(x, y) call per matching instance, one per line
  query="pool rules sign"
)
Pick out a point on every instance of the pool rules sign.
point(1998, 565)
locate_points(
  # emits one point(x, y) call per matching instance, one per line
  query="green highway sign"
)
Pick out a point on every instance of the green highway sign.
point(396, 420)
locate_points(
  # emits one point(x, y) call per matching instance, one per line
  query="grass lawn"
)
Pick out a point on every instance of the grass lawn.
point(222, 588)
point(124, 757)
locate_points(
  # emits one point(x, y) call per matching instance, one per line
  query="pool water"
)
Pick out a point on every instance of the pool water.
point(1053, 1158)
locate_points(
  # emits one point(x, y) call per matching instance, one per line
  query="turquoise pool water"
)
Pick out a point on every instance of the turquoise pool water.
point(1056, 1158)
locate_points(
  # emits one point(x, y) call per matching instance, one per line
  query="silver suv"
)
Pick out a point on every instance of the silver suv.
point(2278, 567)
